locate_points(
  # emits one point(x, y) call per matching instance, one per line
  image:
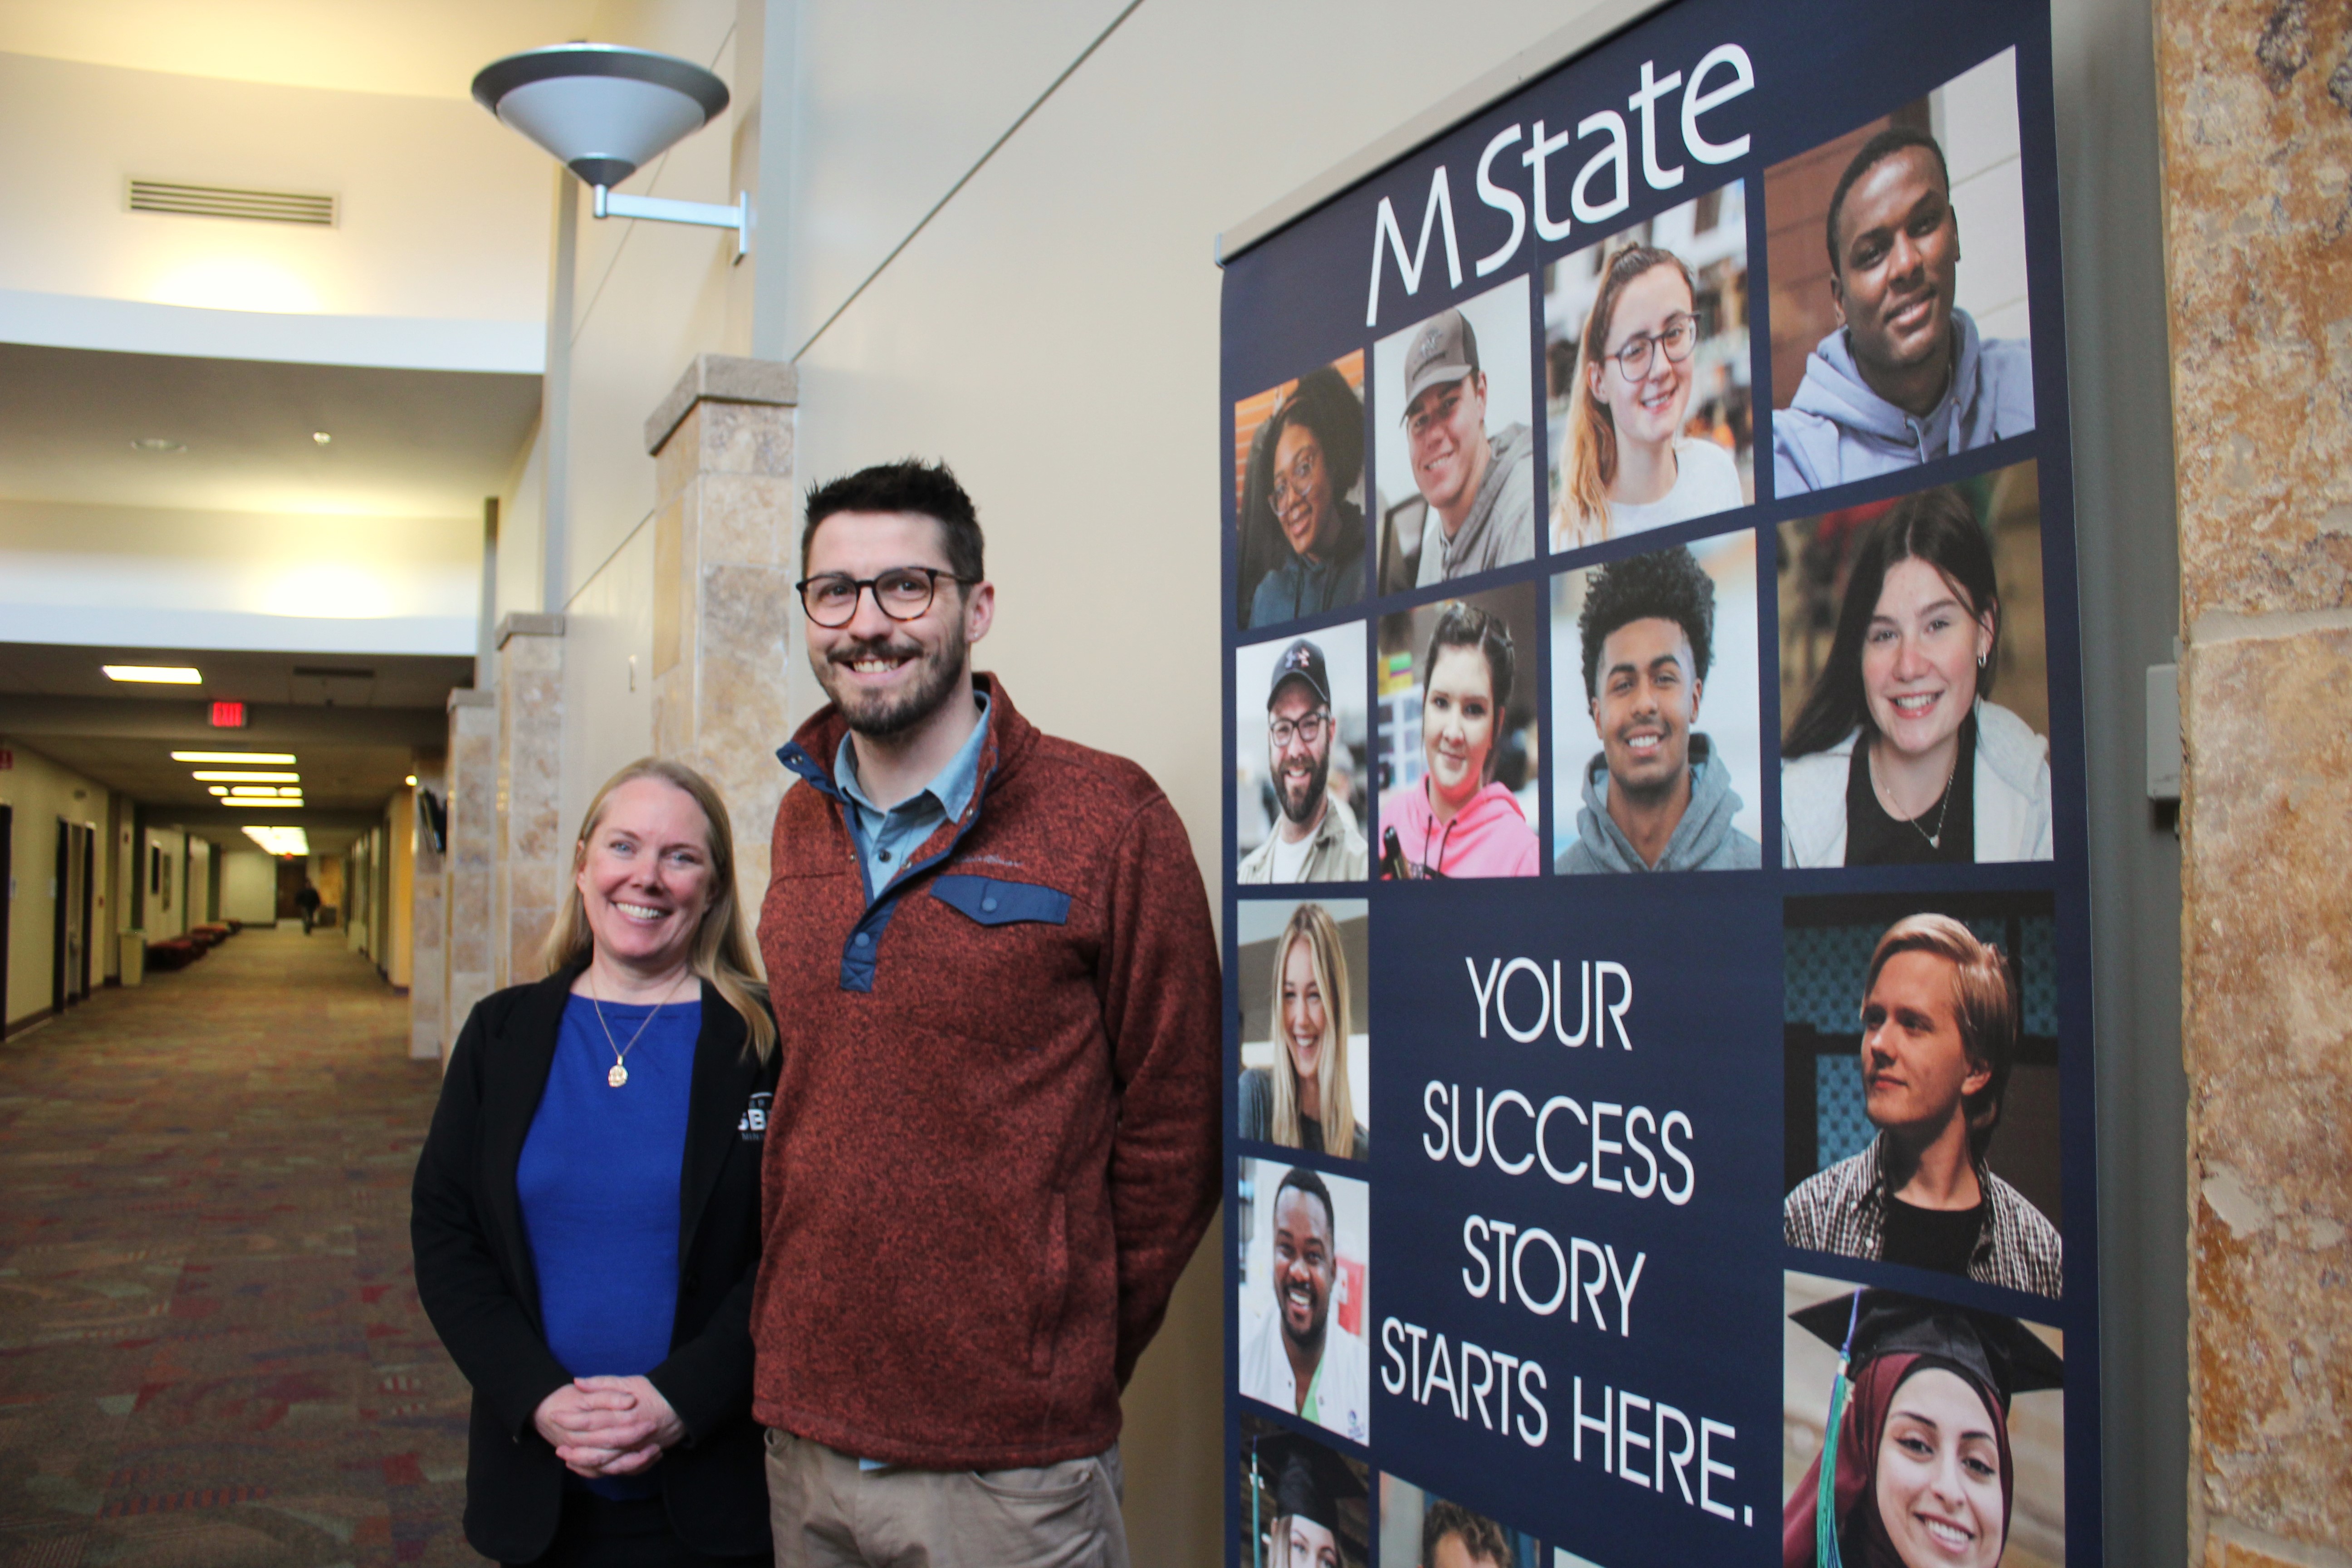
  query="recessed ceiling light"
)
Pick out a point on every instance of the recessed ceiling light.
point(160, 674)
point(231, 756)
point(321, 437)
point(247, 777)
point(280, 840)
point(157, 444)
point(410, 781)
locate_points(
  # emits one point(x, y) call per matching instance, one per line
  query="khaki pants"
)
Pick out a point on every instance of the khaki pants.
point(828, 1513)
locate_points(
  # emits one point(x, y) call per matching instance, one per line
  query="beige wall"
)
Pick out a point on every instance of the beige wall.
point(41, 793)
point(2257, 125)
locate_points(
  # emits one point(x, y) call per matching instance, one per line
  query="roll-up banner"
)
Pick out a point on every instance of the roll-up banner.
point(1658, 940)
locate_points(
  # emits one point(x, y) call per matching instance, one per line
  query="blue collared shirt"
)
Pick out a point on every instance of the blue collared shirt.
point(884, 839)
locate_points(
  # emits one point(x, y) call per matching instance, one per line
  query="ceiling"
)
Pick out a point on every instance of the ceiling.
point(425, 48)
point(405, 443)
point(354, 726)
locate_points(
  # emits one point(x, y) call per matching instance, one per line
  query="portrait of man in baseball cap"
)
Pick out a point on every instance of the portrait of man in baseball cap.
point(1455, 442)
point(1297, 812)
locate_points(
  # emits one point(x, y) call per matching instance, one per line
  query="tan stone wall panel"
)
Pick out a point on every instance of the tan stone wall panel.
point(2267, 1022)
point(2257, 139)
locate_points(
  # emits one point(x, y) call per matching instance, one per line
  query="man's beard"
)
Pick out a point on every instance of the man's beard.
point(1311, 1342)
point(1311, 801)
point(882, 717)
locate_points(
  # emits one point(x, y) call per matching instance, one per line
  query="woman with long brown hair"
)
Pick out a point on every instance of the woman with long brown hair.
point(1305, 1100)
point(1629, 465)
point(587, 1206)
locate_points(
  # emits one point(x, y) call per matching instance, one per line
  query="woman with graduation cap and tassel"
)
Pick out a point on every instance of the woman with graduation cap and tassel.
point(1317, 1505)
point(1915, 1469)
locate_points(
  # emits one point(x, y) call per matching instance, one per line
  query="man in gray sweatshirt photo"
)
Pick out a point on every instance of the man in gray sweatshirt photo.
point(1656, 796)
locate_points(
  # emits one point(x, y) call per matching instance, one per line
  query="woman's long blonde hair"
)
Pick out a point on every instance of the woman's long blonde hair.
point(1593, 431)
point(1313, 924)
point(723, 954)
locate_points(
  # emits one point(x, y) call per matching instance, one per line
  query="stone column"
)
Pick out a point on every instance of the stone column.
point(428, 920)
point(2256, 124)
point(725, 554)
point(470, 863)
point(530, 868)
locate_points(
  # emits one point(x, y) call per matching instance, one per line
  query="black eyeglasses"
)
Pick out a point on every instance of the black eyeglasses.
point(903, 593)
point(1633, 358)
point(1308, 728)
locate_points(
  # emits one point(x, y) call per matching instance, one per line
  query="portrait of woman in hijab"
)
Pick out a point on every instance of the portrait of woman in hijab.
point(1920, 1467)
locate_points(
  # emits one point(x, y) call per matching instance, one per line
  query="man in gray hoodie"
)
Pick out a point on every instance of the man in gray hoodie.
point(1906, 379)
point(1479, 486)
point(1656, 798)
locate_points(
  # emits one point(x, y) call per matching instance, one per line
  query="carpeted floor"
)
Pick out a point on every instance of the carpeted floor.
point(211, 1352)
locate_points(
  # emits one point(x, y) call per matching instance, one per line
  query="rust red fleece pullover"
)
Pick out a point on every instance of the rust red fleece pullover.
point(995, 1138)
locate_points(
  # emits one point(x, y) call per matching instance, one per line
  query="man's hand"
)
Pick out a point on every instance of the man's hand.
point(608, 1426)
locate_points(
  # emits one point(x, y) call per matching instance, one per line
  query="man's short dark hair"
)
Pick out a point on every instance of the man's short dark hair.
point(929, 490)
point(1669, 584)
point(1876, 151)
point(1480, 1536)
point(1302, 1180)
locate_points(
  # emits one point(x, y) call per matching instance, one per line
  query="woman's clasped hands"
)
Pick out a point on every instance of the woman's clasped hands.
point(608, 1426)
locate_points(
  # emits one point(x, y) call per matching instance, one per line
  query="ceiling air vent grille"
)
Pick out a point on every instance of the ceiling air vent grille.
point(222, 201)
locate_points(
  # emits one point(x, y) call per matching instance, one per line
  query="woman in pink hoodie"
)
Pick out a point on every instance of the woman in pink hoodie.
point(1459, 822)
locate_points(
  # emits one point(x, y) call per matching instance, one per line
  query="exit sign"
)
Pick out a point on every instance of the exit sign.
point(228, 715)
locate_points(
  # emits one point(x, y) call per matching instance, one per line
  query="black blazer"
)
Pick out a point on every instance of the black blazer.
point(475, 1276)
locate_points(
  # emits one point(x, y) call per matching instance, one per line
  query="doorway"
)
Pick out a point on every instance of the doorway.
point(69, 981)
point(291, 880)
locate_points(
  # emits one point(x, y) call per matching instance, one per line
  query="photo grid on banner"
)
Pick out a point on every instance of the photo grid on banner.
point(1658, 824)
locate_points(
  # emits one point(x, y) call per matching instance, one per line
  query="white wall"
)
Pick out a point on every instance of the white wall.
point(443, 209)
point(109, 575)
point(610, 623)
point(248, 887)
point(41, 793)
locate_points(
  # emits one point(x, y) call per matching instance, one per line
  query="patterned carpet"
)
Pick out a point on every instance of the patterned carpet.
point(211, 1352)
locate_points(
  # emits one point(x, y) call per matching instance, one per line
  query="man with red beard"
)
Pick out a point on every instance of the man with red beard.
point(995, 1144)
point(1315, 836)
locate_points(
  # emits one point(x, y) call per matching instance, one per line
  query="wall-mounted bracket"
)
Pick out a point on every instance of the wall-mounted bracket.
point(704, 215)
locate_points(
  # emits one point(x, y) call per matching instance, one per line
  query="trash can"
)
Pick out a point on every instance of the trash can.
point(133, 946)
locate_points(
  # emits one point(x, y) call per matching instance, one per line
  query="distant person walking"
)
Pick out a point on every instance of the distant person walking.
point(306, 900)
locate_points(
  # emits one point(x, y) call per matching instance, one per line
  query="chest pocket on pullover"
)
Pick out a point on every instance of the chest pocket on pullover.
point(994, 902)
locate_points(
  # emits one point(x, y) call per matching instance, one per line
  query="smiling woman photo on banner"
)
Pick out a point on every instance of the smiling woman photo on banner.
point(1919, 1467)
point(1897, 755)
point(1302, 528)
point(1445, 812)
point(1310, 1092)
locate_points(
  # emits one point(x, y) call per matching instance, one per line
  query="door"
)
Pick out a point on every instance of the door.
point(290, 889)
point(90, 940)
point(7, 901)
point(63, 907)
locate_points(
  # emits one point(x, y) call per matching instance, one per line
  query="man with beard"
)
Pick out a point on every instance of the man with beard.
point(1315, 837)
point(1478, 488)
point(1657, 798)
point(1297, 1358)
point(996, 1141)
point(1906, 379)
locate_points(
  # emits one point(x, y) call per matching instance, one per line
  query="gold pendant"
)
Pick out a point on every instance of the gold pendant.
point(618, 1076)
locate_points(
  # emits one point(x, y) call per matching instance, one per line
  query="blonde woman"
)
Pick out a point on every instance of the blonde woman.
point(589, 1124)
point(1630, 466)
point(1303, 1101)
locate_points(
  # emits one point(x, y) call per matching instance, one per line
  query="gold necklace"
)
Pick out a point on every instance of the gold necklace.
point(1936, 839)
point(619, 1074)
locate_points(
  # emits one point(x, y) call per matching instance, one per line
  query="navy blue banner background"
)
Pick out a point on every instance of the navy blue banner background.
point(1703, 951)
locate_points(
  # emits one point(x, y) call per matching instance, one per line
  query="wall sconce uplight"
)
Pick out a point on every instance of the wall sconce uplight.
point(605, 111)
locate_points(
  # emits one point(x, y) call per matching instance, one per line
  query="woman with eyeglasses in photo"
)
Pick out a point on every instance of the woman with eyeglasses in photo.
point(1630, 466)
point(1304, 1100)
point(1309, 456)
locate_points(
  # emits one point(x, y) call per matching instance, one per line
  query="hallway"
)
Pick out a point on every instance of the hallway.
point(210, 1347)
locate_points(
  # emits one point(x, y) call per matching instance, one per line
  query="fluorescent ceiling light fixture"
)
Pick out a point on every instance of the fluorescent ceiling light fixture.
point(159, 674)
point(280, 840)
point(217, 789)
point(275, 802)
point(157, 444)
point(264, 789)
point(321, 438)
point(605, 111)
point(247, 777)
point(253, 757)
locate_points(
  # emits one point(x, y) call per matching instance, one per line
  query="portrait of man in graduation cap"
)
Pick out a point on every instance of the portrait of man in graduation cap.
point(1916, 1468)
point(1305, 1506)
